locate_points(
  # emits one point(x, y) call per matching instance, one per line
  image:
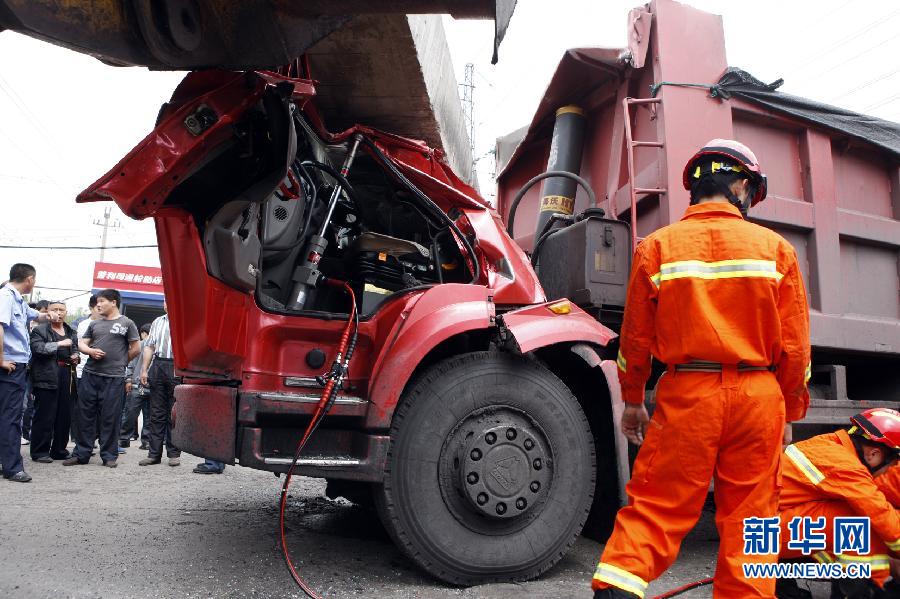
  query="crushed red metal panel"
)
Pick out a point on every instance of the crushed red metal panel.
point(145, 177)
point(537, 326)
point(214, 344)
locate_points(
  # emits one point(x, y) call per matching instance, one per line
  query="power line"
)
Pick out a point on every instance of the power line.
point(882, 102)
point(61, 288)
point(7, 89)
point(65, 299)
point(21, 178)
point(40, 168)
point(831, 12)
point(846, 40)
point(867, 84)
point(833, 67)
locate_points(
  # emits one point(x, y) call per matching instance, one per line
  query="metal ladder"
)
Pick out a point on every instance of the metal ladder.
point(630, 145)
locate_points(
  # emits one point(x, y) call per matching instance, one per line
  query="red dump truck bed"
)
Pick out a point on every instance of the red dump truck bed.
point(834, 181)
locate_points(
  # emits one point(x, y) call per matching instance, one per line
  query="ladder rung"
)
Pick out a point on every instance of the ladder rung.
point(643, 100)
point(647, 144)
point(648, 190)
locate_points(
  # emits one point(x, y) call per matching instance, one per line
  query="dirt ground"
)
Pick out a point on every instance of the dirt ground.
point(158, 531)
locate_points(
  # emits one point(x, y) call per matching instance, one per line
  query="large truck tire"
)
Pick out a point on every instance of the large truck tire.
point(491, 470)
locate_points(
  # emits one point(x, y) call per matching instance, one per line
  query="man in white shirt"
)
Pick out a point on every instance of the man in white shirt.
point(82, 327)
point(161, 379)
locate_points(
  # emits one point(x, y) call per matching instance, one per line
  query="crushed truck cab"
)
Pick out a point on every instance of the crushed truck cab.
point(460, 359)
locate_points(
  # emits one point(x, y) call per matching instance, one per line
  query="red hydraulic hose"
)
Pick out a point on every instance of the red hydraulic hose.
point(685, 588)
point(341, 361)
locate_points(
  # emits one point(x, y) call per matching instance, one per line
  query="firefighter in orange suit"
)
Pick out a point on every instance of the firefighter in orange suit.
point(721, 302)
point(889, 484)
point(834, 475)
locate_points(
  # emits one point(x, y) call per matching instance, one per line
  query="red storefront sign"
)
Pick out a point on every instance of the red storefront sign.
point(128, 277)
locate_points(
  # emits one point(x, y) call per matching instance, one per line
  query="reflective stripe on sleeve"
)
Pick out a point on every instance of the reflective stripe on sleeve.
point(723, 269)
point(621, 579)
point(808, 374)
point(876, 562)
point(621, 363)
point(814, 475)
point(823, 557)
point(894, 545)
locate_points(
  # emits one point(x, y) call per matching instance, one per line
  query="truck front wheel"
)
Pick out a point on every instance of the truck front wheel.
point(491, 470)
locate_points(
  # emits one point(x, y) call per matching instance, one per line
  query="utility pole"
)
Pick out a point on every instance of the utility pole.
point(107, 212)
point(468, 105)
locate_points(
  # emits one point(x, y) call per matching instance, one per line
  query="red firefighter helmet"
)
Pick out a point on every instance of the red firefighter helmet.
point(734, 152)
point(881, 425)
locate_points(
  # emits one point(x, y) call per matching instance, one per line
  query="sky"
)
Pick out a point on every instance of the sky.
point(67, 118)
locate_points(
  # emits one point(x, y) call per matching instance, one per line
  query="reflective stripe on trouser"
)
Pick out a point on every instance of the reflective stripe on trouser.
point(617, 577)
point(877, 558)
point(726, 426)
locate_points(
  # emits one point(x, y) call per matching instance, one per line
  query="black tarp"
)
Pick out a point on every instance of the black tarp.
point(878, 132)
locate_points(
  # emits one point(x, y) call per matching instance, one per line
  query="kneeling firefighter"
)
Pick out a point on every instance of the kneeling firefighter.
point(836, 475)
point(721, 302)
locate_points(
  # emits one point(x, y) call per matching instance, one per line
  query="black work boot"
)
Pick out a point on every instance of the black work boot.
point(787, 588)
point(854, 588)
point(891, 590)
point(613, 593)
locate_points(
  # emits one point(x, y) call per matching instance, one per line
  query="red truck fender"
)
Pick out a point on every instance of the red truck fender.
point(623, 470)
point(438, 314)
point(535, 327)
point(540, 325)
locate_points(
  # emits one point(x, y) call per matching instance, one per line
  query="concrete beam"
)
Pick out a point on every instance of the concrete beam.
point(393, 72)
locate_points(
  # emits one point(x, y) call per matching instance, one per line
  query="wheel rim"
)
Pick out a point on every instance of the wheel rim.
point(496, 469)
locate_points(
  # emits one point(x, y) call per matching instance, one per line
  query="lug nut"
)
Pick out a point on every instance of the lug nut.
point(491, 438)
point(537, 464)
point(472, 478)
point(510, 433)
point(521, 503)
point(501, 508)
point(529, 444)
point(535, 486)
point(482, 498)
point(476, 454)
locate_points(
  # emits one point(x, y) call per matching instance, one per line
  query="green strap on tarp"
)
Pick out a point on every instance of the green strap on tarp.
point(714, 90)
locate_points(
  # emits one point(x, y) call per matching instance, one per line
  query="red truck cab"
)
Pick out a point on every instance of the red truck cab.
point(465, 413)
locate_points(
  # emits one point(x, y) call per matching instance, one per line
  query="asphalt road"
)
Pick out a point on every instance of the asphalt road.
point(158, 531)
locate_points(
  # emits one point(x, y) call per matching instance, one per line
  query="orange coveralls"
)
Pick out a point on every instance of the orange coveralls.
point(711, 287)
point(889, 484)
point(824, 477)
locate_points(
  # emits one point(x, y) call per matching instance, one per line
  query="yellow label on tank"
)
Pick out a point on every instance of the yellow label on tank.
point(558, 204)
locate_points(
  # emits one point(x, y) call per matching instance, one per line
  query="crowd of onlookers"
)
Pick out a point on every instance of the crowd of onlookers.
point(87, 384)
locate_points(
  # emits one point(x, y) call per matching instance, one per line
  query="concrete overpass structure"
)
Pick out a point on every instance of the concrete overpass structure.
point(384, 63)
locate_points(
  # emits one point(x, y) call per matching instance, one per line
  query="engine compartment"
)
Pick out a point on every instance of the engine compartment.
point(371, 228)
point(379, 238)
